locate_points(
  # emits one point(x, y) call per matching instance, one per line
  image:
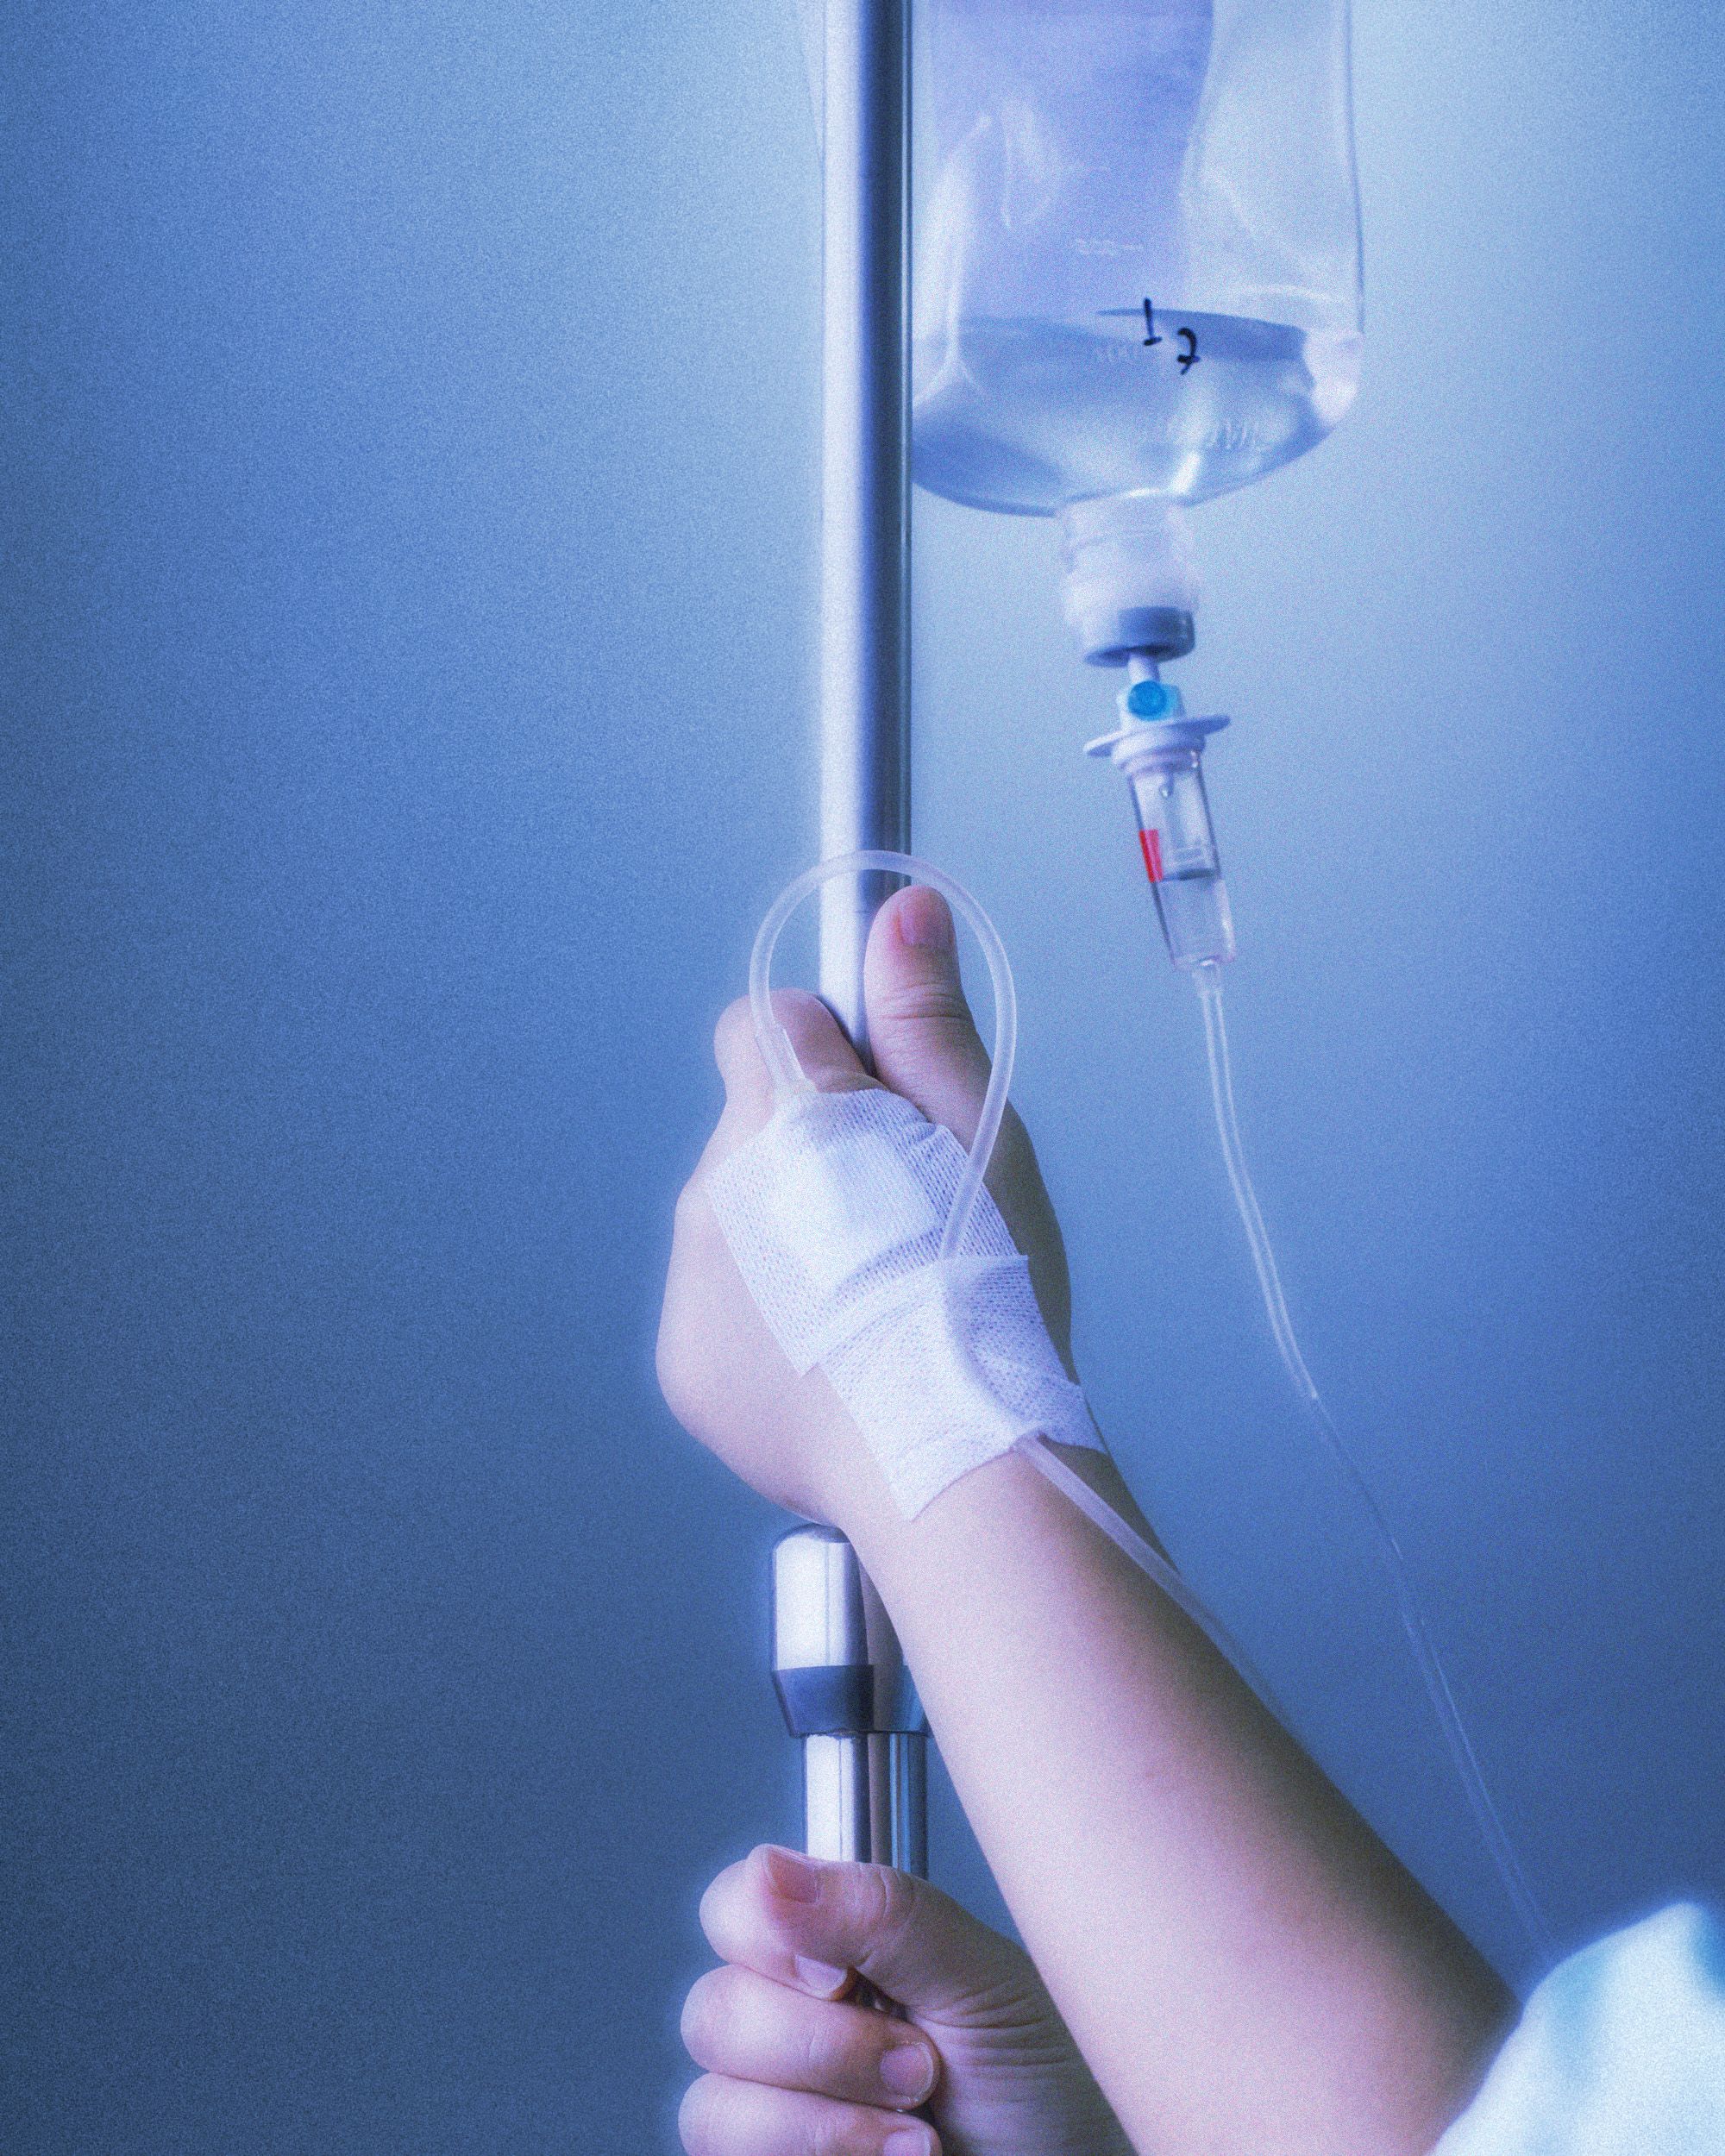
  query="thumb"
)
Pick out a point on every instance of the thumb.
point(808, 1924)
point(923, 1038)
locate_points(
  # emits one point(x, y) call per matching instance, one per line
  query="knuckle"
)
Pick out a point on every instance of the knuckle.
point(928, 1003)
point(1013, 1149)
point(798, 1008)
point(707, 2019)
point(890, 1904)
point(690, 1211)
point(834, 2134)
point(671, 1364)
point(844, 2130)
point(719, 1908)
point(698, 2125)
point(695, 1227)
point(833, 2061)
point(881, 1895)
point(710, 1903)
point(735, 1030)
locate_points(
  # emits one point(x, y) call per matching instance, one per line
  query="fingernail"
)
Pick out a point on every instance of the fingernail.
point(909, 2141)
point(792, 1878)
point(924, 921)
point(908, 2071)
point(821, 1977)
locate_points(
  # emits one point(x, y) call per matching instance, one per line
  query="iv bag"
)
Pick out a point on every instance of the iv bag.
point(1137, 277)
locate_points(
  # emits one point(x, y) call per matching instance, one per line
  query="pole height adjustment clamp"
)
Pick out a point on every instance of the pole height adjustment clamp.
point(850, 1702)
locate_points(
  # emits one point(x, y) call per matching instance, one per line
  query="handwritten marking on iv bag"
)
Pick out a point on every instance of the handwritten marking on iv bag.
point(1187, 358)
point(1027, 414)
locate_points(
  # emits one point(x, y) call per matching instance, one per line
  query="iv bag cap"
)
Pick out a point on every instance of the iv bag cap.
point(1131, 577)
point(1110, 635)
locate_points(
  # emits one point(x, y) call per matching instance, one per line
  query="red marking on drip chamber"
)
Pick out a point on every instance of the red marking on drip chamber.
point(1151, 842)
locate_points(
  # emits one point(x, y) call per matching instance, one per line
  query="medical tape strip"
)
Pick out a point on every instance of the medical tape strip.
point(834, 1213)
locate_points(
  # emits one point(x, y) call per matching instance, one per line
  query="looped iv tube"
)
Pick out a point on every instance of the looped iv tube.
point(1176, 835)
point(789, 1079)
point(781, 1057)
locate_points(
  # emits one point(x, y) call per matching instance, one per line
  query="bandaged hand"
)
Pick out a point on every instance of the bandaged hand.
point(726, 1377)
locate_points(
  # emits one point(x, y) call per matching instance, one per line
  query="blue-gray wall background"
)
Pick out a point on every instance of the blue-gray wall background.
point(409, 513)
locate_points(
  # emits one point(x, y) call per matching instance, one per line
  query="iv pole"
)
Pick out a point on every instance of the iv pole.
point(840, 1674)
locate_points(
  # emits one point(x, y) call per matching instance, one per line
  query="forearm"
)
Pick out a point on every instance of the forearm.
point(1246, 1967)
point(1247, 1970)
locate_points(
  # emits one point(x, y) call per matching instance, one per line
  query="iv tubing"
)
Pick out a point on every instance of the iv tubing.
point(1148, 1558)
point(1208, 979)
point(787, 1077)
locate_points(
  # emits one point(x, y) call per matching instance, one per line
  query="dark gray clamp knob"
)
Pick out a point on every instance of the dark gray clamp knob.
point(837, 1663)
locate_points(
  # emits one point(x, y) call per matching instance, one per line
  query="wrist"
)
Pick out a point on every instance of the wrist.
point(986, 1507)
point(1003, 1518)
point(847, 1487)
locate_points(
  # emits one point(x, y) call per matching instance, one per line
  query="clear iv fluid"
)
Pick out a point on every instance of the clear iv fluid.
point(1137, 275)
point(1179, 847)
point(1025, 416)
point(1193, 908)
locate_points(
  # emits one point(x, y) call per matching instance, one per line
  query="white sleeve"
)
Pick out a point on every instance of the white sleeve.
point(1621, 2053)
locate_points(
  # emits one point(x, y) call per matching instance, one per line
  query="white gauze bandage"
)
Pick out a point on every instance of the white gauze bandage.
point(835, 1213)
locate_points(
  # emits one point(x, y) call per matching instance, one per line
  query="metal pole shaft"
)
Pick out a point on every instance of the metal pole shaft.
point(865, 458)
point(848, 1697)
point(841, 1676)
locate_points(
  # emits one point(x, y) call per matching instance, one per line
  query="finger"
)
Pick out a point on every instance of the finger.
point(925, 1046)
point(921, 1034)
point(827, 1058)
point(723, 2117)
point(745, 2025)
point(805, 1925)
